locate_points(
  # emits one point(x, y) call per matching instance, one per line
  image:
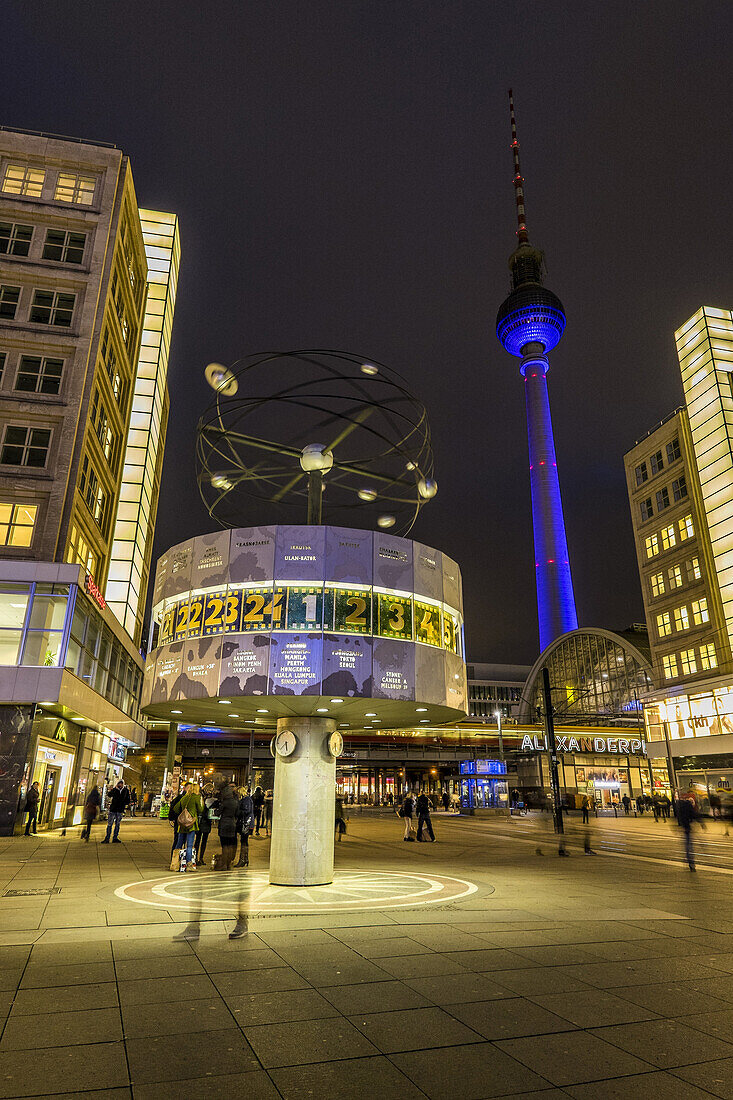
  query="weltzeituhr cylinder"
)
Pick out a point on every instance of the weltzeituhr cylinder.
point(303, 811)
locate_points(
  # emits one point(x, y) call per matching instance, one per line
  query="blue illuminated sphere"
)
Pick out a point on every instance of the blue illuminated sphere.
point(531, 314)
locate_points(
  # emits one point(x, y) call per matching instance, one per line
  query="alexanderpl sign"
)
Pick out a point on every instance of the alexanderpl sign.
point(613, 746)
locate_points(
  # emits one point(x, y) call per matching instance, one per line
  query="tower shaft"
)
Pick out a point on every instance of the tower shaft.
point(555, 596)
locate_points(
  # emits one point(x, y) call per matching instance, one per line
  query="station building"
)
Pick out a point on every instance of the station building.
point(87, 293)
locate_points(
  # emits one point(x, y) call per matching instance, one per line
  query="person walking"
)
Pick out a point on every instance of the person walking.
point(258, 800)
point(189, 810)
point(423, 817)
point(406, 811)
point(202, 833)
point(585, 808)
point(627, 804)
point(133, 802)
point(267, 812)
point(91, 810)
point(445, 799)
point(245, 825)
point(686, 815)
point(228, 806)
point(118, 803)
point(340, 823)
point(32, 799)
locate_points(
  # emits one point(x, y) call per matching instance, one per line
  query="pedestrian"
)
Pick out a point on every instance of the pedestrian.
point(665, 804)
point(173, 811)
point(423, 817)
point(91, 809)
point(585, 807)
point(340, 817)
point(189, 810)
point(405, 811)
point(686, 815)
point(267, 812)
point(627, 804)
point(245, 825)
point(31, 807)
point(258, 801)
point(228, 807)
point(202, 833)
point(118, 803)
point(640, 805)
point(133, 802)
point(715, 806)
point(445, 799)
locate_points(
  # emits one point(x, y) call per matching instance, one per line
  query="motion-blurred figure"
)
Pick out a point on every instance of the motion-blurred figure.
point(686, 815)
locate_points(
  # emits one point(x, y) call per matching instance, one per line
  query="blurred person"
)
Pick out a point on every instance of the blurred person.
point(267, 811)
point(91, 810)
point(627, 804)
point(190, 807)
point(585, 807)
point(340, 823)
point(686, 815)
point(173, 812)
point(665, 804)
point(32, 799)
point(445, 799)
point(258, 801)
point(228, 807)
point(405, 811)
point(119, 800)
point(202, 833)
point(422, 807)
point(245, 825)
point(133, 802)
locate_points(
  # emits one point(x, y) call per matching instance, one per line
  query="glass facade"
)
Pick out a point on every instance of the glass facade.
point(702, 714)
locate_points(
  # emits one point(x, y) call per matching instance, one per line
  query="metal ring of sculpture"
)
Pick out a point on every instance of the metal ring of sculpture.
point(277, 416)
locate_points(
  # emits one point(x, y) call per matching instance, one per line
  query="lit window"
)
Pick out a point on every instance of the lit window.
point(669, 663)
point(663, 499)
point(95, 496)
point(708, 658)
point(675, 576)
point(693, 570)
point(681, 618)
point(700, 611)
point(39, 375)
point(679, 488)
point(52, 307)
point(15, 240)
point(25, 446)
point(64, 246)
point(72, 187)
point(687, 529)
point(652, 546)
point(688, 662)
point(9, 296)
point(664, 624)
point(673, 450)
point(20, 179)
point(16, 524)
point(656, 463)
point(657, 582)
point(78, 551)
point(669, 537)
point(646, 509)
point(641, 473)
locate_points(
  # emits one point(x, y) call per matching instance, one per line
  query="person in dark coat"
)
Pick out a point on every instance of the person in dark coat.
point(258, 801)
point(340, 816)
point(31, 807)
point(202, 833)
point(423, 817)
point(686, 815)
point(228, 805)
point(245, 825)
point(118, 803)
point(173, 812)
point(91, 810)
point(267, 812)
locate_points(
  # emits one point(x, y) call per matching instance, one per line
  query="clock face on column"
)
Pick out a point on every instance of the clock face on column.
point(285, 743)
point(335, 744)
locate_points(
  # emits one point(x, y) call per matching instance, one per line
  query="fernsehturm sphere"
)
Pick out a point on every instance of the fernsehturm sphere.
point(529, 325)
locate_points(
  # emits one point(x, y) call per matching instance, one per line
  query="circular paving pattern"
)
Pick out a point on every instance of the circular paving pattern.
point(251, 891)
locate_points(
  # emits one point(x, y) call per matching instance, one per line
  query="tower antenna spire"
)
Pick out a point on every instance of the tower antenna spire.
point(522, 231)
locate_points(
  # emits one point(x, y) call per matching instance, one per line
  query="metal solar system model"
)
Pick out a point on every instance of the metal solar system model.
point(310, 632)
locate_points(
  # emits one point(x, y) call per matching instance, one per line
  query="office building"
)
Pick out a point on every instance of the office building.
point(73, 306)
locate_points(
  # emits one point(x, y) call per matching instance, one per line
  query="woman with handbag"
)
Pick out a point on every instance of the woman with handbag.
point(191, 806)
point(245, 825)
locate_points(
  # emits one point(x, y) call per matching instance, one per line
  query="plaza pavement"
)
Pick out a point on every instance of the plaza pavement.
point(594, 976)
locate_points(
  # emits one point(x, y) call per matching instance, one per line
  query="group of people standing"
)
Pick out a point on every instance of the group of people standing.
point(421, 806)
point(237, 814)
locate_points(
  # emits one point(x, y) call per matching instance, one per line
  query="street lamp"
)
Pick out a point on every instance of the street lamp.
point(497, 715)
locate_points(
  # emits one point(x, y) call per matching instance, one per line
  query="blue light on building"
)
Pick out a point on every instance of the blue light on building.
point(483, 785)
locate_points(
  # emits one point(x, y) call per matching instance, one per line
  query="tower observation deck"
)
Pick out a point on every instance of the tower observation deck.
point(529, 324)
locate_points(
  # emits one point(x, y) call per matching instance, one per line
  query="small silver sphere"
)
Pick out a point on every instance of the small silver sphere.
point(367, 494)
point(221, 379)
point(386, 521)
point(221, 481)
point(370, 369)
point(316, 457)
point(427, 487)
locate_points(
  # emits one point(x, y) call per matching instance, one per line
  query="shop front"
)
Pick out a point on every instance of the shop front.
point(483, 785)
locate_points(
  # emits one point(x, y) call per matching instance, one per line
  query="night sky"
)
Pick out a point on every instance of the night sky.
point(342, 174)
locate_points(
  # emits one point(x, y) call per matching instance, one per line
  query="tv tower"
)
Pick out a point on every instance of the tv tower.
point(529, 324)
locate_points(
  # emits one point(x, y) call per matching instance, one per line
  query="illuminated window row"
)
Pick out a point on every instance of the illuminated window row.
point(698, 609)
point(669, 536)
point(312, 608)
point(690, 661)
point(29, 181)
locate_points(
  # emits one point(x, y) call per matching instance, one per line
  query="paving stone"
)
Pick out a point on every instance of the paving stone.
point(74, 954)
point(44, 976)
point(594, 1007)
point(14, 958)
point(312, 1041)
point(715, 1076)
point(677, 998)
point(649, 1086)
point(448, 989)
point(149, 948)
point(170, 966)
point(254, 1085)
point(152, 1058)
point(10, 979)
point(279, 1008)
point(31, 1002)
point(507, 1019)
point(474, 1072)
point(382, 949)
point(415, 1029)
point(163, 1018)
point(95, 1094)
point(58, 1029)
point(666, 1043)
point(572, 1057)
point(348, 973)
point(642, 972)
point(181, 988)
point(258, 981)
point(357, 1078)
point(374, 997)
point(420, 966)
point(72, 1069)
point(547, 979)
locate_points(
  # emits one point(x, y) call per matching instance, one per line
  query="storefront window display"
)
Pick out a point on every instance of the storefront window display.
point(705, 714)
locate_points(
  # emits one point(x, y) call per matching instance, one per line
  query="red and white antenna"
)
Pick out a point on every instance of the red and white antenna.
point(522, 231)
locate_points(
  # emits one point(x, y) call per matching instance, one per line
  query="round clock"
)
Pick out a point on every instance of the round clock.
point(336, 744)
point(285, 743)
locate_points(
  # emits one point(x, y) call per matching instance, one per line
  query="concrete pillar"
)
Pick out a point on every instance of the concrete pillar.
point(170, 755)
point(301, 851)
